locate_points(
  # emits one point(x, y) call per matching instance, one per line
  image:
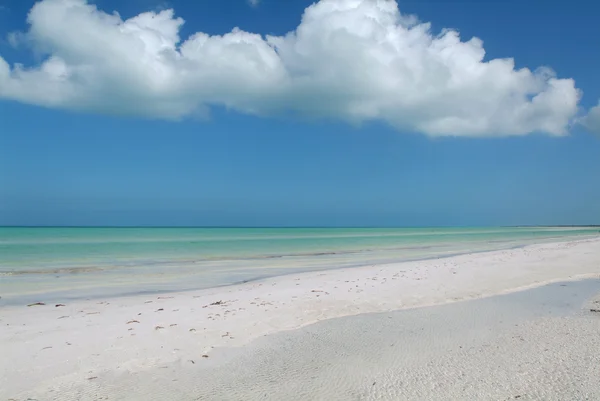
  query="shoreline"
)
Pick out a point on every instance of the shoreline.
point(59, 296)
point(52, 347)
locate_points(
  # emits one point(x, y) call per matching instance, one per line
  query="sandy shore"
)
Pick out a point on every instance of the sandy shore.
point(116, 348)
point(537, 344)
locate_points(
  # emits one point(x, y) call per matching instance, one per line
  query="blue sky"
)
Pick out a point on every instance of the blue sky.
point(320, 132)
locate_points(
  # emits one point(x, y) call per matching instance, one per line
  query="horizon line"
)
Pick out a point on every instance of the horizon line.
point(292, 227)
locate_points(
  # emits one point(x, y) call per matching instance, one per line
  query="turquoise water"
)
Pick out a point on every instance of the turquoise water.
point(87, 262)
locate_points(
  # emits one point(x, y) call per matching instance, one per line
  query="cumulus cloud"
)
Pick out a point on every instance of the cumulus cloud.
point(352, 60)
point(592, 120)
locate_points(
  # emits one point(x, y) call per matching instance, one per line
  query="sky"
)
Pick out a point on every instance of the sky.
point(294, 113)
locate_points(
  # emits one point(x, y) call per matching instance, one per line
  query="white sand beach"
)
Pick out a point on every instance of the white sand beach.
point(169, 346)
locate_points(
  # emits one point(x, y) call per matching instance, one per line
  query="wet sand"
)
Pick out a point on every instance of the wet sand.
point(258, 341)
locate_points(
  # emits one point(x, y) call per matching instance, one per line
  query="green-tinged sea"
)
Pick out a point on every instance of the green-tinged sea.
point(59, 263)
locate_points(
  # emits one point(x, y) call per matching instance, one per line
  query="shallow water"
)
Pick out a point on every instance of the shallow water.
point(89, 262)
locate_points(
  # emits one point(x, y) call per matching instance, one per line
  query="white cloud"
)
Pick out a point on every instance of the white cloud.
point(354, 60)
point(254, 3)
point(592, 120)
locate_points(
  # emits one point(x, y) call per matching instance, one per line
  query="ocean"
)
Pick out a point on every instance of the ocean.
point(69, 263)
